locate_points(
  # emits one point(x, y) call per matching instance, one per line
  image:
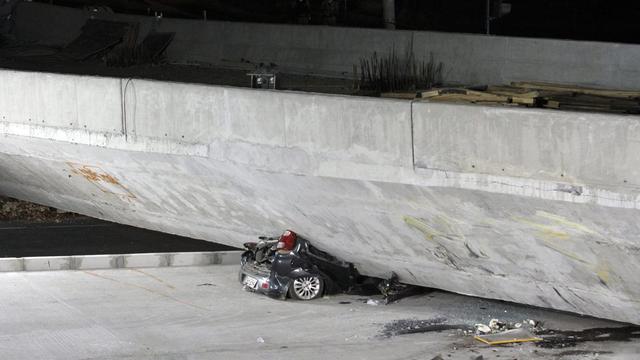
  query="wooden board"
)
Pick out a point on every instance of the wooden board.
point(627, 94)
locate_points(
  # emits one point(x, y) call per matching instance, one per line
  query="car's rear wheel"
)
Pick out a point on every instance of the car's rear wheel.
point(306, 287)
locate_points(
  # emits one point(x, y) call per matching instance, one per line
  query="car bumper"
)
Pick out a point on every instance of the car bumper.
point(259, 279)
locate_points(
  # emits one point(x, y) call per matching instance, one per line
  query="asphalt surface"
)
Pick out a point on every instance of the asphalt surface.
point(87, 236)
point(203, 313)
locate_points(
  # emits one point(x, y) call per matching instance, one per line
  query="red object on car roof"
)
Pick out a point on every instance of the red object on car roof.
point(287, 240)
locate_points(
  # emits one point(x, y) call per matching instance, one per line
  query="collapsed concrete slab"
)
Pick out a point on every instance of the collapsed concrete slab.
point(525, 205)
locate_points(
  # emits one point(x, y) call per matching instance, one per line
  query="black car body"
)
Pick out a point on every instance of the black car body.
point(293, 267)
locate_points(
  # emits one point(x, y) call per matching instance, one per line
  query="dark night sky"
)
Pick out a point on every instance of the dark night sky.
point(601, 20)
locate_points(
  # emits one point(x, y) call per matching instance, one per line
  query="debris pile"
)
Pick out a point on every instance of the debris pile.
point(496, 326)
point(535, 94)
point(499, 332)
point(17, 210)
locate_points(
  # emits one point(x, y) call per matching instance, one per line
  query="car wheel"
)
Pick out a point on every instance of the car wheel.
point(306, 287)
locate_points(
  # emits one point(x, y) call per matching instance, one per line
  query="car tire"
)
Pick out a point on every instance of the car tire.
point(306, 287)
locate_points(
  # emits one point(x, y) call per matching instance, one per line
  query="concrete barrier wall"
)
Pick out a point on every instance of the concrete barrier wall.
point(542, 144)
point(66, 101)
point(332, 51)
point(309, 131)
point(340, 128)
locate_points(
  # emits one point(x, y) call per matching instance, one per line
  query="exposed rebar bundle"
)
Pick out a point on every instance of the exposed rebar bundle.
point(391, 72)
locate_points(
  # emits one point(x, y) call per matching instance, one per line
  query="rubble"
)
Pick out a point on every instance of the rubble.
point(497, 326)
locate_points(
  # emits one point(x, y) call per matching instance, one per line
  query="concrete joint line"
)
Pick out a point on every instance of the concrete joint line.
point(119, 261)
point(413, 148)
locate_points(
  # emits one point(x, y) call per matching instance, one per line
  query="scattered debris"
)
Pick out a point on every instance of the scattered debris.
point(206, 284)
point(393, 290)
point(413, 326)
point(496, 326)
point(498, 332)
point(565, 338)
point(260, 340)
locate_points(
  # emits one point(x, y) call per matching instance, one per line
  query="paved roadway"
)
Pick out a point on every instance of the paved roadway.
point(202, 313)
point(87, 236)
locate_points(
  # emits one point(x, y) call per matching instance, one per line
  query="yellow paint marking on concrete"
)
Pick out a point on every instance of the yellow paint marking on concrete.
point(566, 253)
point(602, 270)
point(564, 221)
point(546, 230)
point(549, 234)
point(428, 231)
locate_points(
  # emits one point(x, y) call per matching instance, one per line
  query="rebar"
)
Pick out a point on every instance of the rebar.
point(391, 72)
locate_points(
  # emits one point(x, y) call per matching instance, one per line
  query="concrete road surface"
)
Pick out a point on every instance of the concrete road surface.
point(202, 313)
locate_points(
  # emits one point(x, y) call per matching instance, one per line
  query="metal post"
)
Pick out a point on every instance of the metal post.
point(488, 18)
point(389, 14)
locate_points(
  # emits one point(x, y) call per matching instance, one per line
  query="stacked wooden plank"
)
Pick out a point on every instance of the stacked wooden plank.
point(533, 94)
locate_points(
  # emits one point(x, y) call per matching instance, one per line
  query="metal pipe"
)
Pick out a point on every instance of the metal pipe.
point(488, 18)
point(389, 14)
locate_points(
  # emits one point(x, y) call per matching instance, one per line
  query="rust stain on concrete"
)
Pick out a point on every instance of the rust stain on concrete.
point(106, 182)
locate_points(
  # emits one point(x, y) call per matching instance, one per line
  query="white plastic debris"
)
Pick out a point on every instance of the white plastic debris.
point(373, 302)
point(260, 340)
point(496, 324)
point(482, 329)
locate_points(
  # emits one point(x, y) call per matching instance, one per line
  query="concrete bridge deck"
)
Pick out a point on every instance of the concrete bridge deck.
point(526, 205)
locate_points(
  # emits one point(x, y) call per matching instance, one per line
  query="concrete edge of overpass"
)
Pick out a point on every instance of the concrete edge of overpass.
point(116, 261)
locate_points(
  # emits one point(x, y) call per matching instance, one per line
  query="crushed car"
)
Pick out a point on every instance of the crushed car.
point(289, 266)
